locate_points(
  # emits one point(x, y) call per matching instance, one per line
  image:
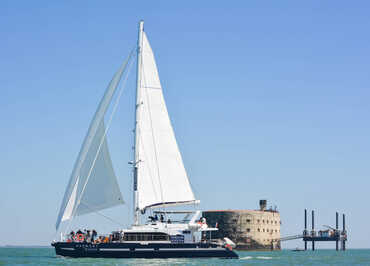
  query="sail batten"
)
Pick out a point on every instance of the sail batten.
point(161, 177)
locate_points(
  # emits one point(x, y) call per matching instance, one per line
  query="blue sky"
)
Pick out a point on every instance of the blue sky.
point(269, 99)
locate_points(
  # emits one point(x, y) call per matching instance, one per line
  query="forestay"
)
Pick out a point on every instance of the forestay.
point(161, 176)
point(93, 185)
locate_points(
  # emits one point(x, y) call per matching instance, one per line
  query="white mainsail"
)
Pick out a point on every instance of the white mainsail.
point(93, 185)
point(161, 176)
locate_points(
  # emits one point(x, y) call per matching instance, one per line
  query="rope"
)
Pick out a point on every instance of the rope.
point(106, 130)
point(149, 171)
point(153, 138)
point(105, 133)
point(103, 215)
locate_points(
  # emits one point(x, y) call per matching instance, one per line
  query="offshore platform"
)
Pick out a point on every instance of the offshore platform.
point(330, 234)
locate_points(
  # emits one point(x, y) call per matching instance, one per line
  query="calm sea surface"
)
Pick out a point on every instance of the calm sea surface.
point(46, 256)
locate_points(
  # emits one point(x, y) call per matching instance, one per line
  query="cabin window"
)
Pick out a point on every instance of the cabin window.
point(145, 237)
point(186, 232)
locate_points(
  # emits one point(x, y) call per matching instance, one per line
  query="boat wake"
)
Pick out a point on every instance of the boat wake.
point(258, 258)
point(265, 258)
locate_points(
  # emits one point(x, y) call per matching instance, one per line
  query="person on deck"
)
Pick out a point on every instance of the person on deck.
point(72, 235)
point(88, 236)
point(93, 235)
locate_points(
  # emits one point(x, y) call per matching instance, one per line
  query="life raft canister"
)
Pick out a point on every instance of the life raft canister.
point(79, 237)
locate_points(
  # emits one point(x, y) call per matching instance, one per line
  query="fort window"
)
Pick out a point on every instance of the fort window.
point(248, 220)
point(248, 229)
point(258, 230)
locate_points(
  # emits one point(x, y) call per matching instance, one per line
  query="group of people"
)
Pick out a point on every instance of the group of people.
point(88, 236)
point(155, 219)
point(83, 236)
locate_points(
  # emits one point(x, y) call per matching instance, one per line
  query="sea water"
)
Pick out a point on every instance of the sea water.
point(46, 256)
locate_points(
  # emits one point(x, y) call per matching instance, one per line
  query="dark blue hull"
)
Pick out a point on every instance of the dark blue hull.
point(137, 250)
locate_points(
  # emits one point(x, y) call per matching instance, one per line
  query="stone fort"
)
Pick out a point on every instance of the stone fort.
point(248, 229)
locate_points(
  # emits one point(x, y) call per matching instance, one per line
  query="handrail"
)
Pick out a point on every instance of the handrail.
point(286, 238)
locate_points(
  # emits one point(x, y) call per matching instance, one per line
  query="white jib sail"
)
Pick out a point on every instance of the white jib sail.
point(93, 185)
point(161, 176)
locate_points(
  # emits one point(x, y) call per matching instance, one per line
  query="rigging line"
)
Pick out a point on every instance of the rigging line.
point(147, 167)
point(146, 87)
point(107, 128)
point(69, 226)
point(103, 215)
point(71, 220)
point(153, 138)
point(88, 138)
point(122, 85)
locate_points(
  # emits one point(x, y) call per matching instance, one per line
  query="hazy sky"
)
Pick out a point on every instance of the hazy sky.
point(269, 99)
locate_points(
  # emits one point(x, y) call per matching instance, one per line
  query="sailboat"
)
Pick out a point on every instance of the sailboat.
point(160, 182)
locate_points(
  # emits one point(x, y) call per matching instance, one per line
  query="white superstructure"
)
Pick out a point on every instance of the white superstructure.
point(160, 178)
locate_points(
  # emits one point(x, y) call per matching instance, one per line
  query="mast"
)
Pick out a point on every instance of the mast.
point(137, 117)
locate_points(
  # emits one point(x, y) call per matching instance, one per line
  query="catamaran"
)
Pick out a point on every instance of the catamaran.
point(160, 181)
